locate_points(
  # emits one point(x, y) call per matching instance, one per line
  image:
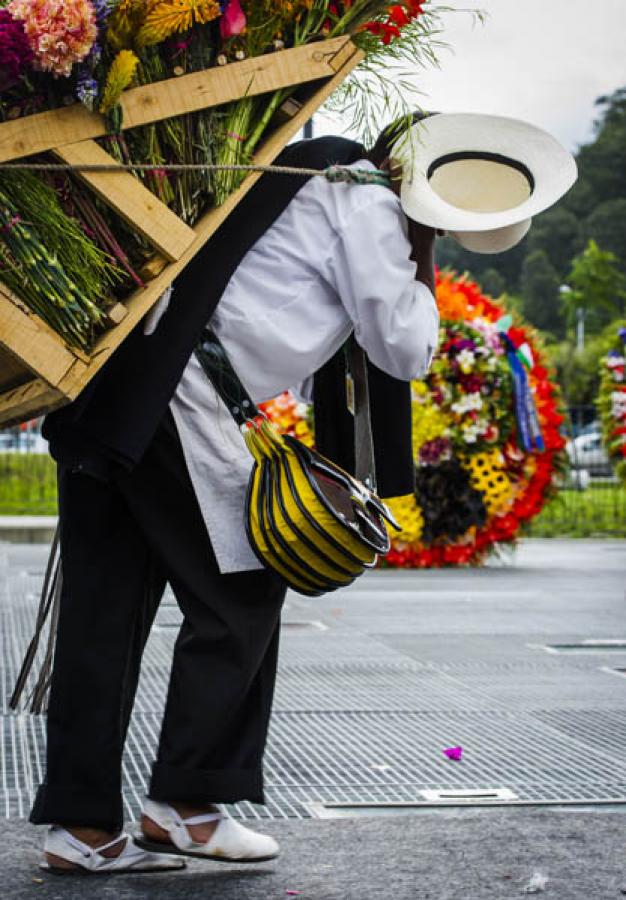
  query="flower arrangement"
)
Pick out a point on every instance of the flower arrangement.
point(612, 403)
point(57, 52)
point(486, 436)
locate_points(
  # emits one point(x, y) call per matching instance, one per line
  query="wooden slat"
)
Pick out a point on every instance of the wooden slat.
point(13, 372)
point(175, 96)
point(123, 192)
point(141, 300)
point(28, 402)
point(29, 339)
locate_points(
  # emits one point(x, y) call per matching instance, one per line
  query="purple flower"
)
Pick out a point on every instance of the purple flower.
point(87, 90)
point(15, 53)
point(465, 344)
point(622, 334)
point(432, 452)
point(102, 8)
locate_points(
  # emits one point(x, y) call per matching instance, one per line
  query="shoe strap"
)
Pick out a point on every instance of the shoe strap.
point(84, 849)
point(204, 817)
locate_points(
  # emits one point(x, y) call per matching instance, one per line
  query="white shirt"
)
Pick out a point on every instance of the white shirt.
point(336, 260)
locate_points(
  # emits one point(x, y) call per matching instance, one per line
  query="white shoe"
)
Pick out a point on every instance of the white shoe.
point(60, 842)
point(230, 842)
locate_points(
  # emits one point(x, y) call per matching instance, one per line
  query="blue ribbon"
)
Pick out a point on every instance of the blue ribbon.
point(528, 428)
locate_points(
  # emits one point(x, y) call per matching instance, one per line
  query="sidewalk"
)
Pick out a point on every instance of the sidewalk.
point(475, 855)
point(374, 682)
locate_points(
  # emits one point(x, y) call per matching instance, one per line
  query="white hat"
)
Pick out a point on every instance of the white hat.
point(482, 178)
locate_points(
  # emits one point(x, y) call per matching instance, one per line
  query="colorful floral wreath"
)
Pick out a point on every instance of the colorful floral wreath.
point(485, 435)
point(612, 403)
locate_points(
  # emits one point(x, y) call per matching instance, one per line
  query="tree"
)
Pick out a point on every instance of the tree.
point(602, 163)
point(557, 232)
point(607, 227)
point(540, 285)
point(597, 286)
point(492, 283)
point(578, 371)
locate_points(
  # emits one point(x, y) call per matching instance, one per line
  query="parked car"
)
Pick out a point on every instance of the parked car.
point(587, 452)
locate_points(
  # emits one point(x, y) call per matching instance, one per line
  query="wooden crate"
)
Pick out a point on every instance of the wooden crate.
point(38, 371)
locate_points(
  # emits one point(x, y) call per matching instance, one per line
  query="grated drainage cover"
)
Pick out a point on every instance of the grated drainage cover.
point(360, 726)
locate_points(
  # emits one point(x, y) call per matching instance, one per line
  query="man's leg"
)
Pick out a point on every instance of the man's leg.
point(112, 585)
point(224, 666)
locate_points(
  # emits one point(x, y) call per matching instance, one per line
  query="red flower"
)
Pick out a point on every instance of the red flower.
point(384, 30)
point(398, 15)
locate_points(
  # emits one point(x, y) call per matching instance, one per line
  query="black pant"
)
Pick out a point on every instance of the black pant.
point(120, 543)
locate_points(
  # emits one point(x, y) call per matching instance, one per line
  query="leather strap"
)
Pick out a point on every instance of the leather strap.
point(219, 370)
point(364, 465)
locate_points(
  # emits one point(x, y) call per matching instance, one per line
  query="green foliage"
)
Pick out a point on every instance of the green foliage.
point(578, 371)
point(539, 286)
point(27, 485)
point(558, 233)
point(607, 227)
point(598, 287)
point(598, 511)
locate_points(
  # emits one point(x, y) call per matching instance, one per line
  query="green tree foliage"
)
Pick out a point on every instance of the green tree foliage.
point(607, 227)
point(492, 282)
point(578, 371)
point(598, 286)
point(540, 284)
point(558, 233)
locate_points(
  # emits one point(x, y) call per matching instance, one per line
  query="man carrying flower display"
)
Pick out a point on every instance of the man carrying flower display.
point(152, 476)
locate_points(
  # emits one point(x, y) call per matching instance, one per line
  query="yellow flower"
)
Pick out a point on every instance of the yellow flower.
point(429, 420)
point(120, 75)
point(487, 475)
point(172, 16)
point(125, 21)
point(408, 516)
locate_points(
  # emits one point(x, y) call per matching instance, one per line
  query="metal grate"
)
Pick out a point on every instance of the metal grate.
point(357, 721)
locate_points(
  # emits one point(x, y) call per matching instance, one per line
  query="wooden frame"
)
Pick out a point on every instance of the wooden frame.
point(38, 371)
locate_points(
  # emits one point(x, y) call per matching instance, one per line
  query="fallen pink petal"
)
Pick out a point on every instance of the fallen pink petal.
point(453, 752)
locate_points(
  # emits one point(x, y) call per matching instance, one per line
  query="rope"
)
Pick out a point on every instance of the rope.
point(334, 174)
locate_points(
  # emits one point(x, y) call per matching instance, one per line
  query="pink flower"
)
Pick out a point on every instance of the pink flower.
point(60, 33)
point(233, 20)
point(453, 752)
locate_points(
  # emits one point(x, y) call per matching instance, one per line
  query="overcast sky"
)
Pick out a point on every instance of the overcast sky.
point(541, 60)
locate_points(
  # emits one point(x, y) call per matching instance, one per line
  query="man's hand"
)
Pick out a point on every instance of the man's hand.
point(422, 240)
point(422, 237)
point(394, 167)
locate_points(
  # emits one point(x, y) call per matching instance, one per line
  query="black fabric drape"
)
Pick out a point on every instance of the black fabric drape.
point(390, 410)
point(113, 420)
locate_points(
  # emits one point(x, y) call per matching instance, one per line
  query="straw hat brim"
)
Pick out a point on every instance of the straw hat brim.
point(532, 156)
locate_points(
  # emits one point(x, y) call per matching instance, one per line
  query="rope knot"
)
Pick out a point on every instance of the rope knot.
point(338, 174)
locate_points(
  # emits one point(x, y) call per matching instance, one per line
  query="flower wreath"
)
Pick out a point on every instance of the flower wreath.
point(612, 403)
point(485, 434)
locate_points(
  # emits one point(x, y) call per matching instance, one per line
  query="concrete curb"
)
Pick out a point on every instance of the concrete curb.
point(27, 529)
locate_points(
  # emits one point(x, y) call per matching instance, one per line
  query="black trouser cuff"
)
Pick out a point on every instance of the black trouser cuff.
point(77, 806)
point(171, 783)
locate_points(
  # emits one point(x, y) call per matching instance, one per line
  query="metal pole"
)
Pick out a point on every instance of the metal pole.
point(580, 328)
point(308, 129)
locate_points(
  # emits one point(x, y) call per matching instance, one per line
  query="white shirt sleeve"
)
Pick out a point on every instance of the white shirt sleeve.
point(395, 317)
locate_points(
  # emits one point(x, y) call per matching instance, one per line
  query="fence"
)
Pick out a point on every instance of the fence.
point(591, 501)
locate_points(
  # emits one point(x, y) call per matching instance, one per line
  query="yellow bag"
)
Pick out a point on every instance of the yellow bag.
point(307, 519)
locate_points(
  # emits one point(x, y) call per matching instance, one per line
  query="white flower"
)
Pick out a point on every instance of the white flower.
point(466, 360)
point(467, 403)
